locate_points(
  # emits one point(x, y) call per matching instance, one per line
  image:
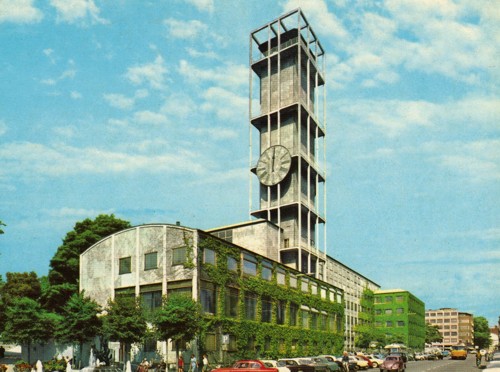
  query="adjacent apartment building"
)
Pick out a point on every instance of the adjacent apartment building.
point(456, 327)
point(401, 316)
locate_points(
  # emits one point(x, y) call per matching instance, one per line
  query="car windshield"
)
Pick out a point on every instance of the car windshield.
point(391, 358)
point(458, 347)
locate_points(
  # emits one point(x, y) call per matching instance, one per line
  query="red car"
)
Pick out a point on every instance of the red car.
point(246, 365)
point(393, 363)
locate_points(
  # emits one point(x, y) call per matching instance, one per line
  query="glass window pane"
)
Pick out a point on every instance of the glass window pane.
point(209, 256)
point(125, 266)
point(151, 261)
point(231, 302)
point(232, 264)
point(207, 299)
point(250, 306)
point(178, 256)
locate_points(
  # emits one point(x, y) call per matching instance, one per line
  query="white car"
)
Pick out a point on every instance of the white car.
point(362, 364)
point(281, 366)
point(375, 361)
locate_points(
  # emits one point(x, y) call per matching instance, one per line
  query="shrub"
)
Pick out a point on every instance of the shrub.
point(22, 366)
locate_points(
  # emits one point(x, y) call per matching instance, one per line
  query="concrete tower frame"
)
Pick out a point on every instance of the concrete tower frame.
point(287, 107)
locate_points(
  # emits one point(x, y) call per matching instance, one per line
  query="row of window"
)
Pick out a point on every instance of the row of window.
point(388, 299)
point(399, 310)
point(390, 323)
point(442, 314)
point(151, 298)
point(447, 320)
point(249, 267)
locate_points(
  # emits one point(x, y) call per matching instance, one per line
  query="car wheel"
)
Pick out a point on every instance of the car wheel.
point(375, 364)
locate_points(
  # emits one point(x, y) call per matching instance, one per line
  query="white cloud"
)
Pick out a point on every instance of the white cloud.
point(203, 5)
point(67, 74)
point(149, 117)
point(74, 213)
point(216, 133)
point(390, 117)
point(228, 75)
point(180, 105)
point(149, 73)
point(29, 160)
point(72, 11)
point(119, 101)
point(19, 11)
point(317, 13)
point(185, 29)
point(75, 95)
point(225, 104)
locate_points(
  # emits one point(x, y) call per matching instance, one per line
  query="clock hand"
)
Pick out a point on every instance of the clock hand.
point(274, 152)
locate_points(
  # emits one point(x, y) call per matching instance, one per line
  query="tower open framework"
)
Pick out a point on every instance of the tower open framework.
point(287, 108)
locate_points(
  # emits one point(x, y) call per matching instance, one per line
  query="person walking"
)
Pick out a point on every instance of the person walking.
point(193, 364)
point(345, 361)
point(205, 363)
point(180, 364)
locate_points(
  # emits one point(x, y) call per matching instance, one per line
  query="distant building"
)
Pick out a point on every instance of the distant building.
point(455, 327)
point(401, 316)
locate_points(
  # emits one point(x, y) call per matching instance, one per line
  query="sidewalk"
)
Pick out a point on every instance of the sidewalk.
point(494, 365)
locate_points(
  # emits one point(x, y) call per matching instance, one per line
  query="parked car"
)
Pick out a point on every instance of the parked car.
point(246, 365)
point(361, 363)
point(304, 365)
point(393, 363)
point(419, 356)
point(331, 365)
point(353, 366)
point(376, 361)
point(281, 366)
point(364, 357)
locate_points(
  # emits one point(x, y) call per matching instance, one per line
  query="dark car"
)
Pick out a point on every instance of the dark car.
point(246, 366)
point(331, 365)
point(393, 363)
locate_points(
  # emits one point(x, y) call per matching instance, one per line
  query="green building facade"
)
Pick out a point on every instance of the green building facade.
point(401, 317)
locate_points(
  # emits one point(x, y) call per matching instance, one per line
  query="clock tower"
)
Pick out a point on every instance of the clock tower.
point(287, 116)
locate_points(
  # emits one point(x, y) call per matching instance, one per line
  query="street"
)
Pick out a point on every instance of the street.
point(446, 365)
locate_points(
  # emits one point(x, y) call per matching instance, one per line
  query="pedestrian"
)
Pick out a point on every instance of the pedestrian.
point(205, 363)
point(345, 361)
point(193, 364)
point(180, 364)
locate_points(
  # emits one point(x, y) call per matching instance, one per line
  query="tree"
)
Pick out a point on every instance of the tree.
point(2, 224)
point(124, 322)
point(432, 334)
point(482, 337)
point(27, 323)
point(21, 285)
point(79, 322)
point(179, 318)
point(65, 265)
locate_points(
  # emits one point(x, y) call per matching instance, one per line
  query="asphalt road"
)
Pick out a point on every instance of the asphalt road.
point(446, 365)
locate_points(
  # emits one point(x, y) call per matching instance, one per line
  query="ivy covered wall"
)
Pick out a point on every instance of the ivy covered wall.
point(254, 338)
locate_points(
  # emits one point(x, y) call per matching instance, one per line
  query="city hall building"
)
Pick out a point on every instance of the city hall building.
point(269, 277)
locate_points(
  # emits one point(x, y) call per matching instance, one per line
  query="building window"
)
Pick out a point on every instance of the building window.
point(304, 285)
point(314, 320)
point(232, 264)
point(179, 255)
point(280, 276)
point(399, 298)
point(125, 292)
point(377, 300)
point(267, 270)
point(207, 297)
point(249, 265)
point(209, 256)
point(388, 323)
point(399, 310)
point(210, 342)
point(183, 287)
point(280, 312)
point(231, 302)
point(151, 297)
point(388, 311)
point(267, 309)
point(378, 311)
point(305, 319)
point(294, 309)
point(388, 298)
point(293, 281)
point(151, 261)
point(314, 288)
point(250, 306)
point(401, 323)
point(125, 265)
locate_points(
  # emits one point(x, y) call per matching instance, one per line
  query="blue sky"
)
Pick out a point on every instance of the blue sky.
point(140, 108)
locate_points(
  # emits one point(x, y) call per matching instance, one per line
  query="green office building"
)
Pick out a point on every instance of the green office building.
point(401, 317)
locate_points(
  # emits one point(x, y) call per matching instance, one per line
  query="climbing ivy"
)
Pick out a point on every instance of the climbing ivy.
point(260, 339)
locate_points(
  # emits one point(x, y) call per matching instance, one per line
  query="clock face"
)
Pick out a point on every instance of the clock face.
point(274, 164)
